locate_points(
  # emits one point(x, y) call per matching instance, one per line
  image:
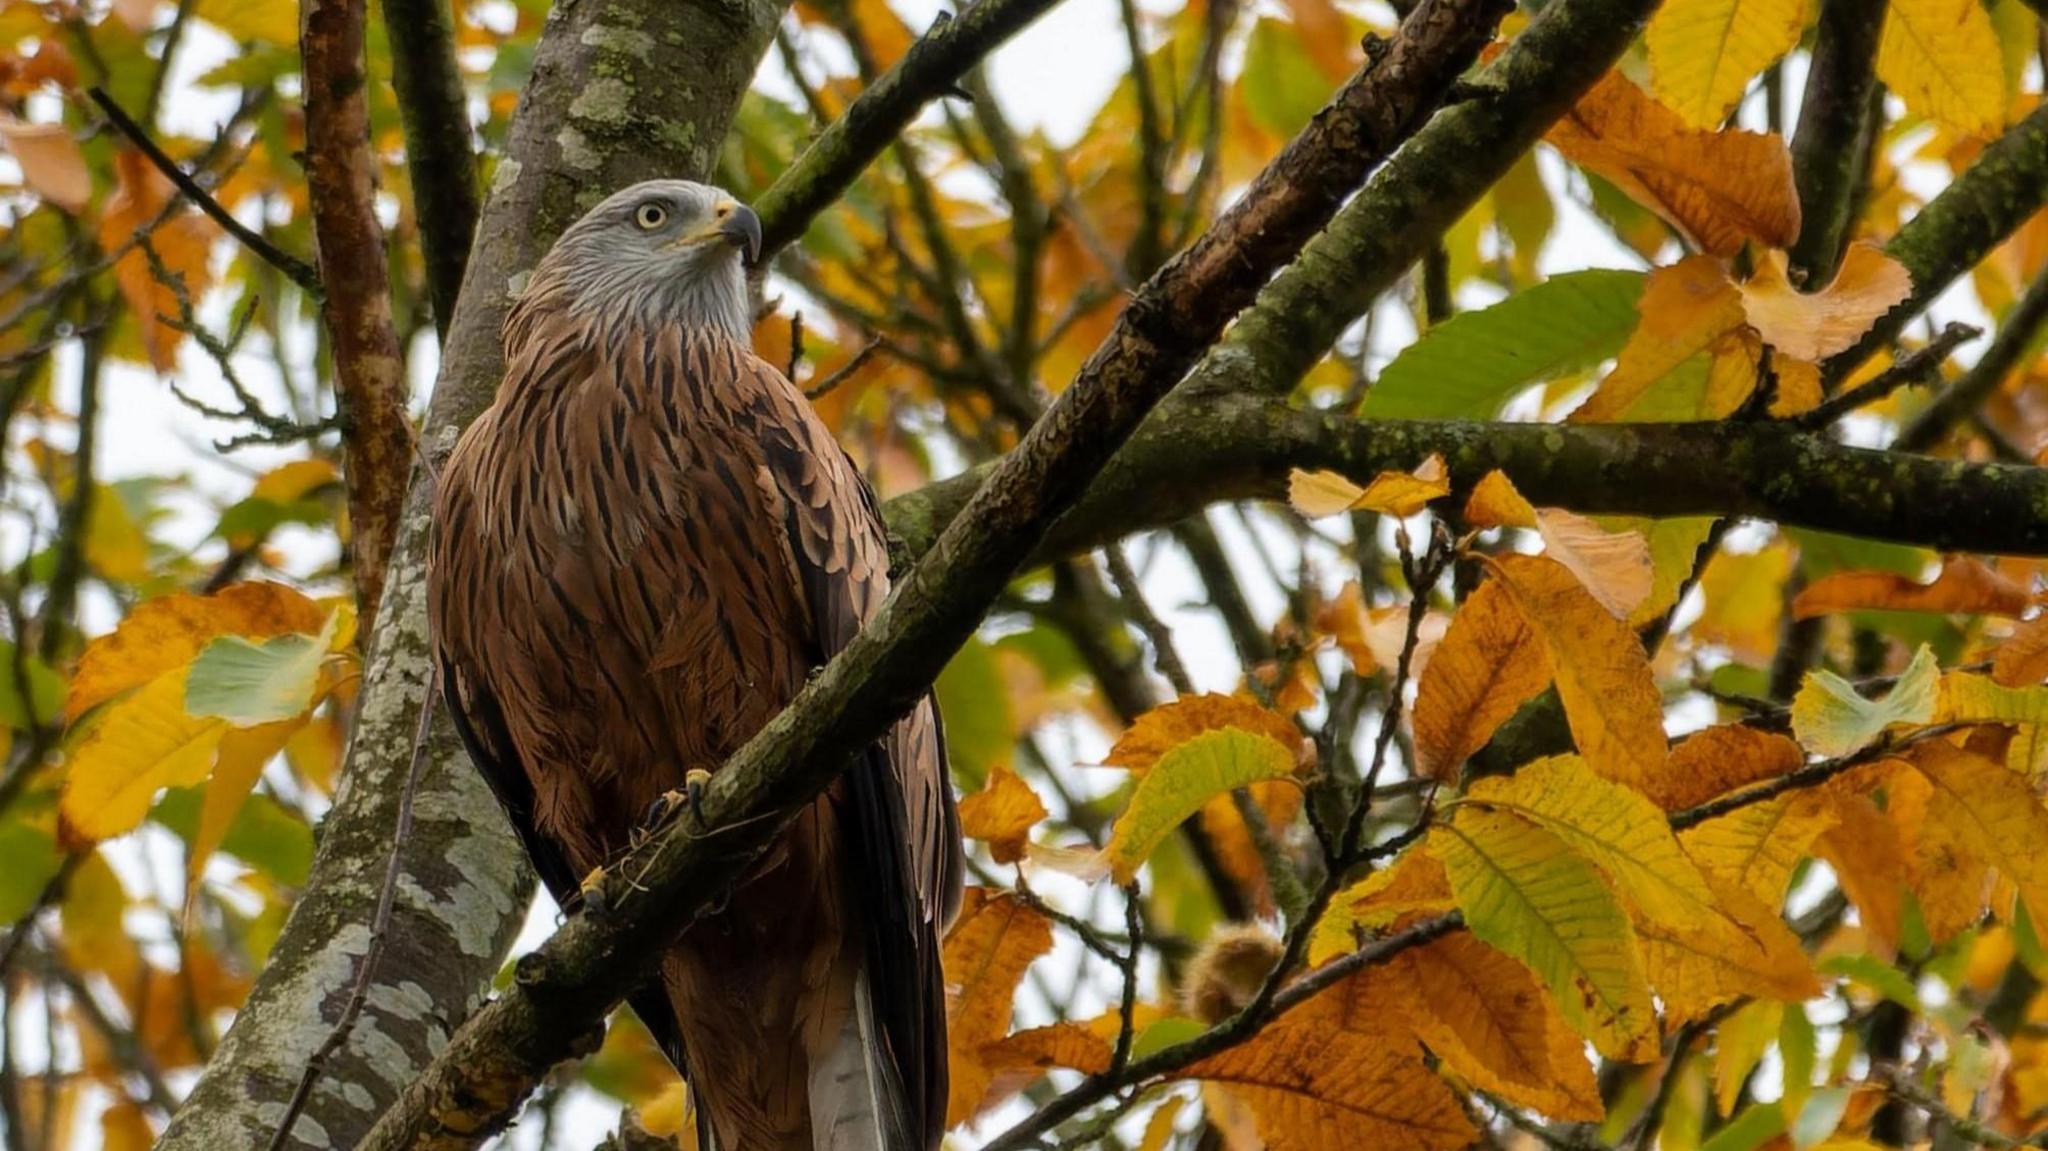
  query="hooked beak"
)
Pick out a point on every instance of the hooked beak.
point(742, 229)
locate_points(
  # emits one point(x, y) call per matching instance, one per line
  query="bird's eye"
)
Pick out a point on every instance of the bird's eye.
point(650, 216)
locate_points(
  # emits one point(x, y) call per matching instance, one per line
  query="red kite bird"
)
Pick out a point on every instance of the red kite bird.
point(641, 550)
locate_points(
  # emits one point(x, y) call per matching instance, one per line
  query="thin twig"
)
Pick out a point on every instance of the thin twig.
point(1918, 368)
point(843, 372)
point(296, 270)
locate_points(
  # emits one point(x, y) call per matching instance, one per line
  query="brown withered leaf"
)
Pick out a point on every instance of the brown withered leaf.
point(2022, 660)
point(991, 943)
point(1002, 814)
point(182, 242)
point(1965, 586)
point(1721, 188)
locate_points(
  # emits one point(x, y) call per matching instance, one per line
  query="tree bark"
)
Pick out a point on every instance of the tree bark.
point(622, 90)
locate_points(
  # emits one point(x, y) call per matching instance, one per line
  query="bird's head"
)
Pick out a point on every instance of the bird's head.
point(661, 252)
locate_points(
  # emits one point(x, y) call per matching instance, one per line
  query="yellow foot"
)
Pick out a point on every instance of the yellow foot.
point(591, 888)
point(688, 797)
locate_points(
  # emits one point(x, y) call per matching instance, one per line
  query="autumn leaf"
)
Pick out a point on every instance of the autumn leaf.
point(1190, 775)
point(1965, 585)
point(1815, 325)
point(239, 762)
point(1829, 717)
point(1488, 1019)
point(1970, 698)
point(1413, 885)
point(259, 683)
point(1721, 188)
point(1993, 813)
point(1313, 1086)
point(1739, 1045)
point(1744, 602)
point(1474, 362)
point(1939, 56)
point(1717, 760)
point(1869, 859)
point(51, 163)
point(1399, 494)
point(1756, 846)
point(2022, 660)
point(1616, 829)
point(1613, 566)
point(246, 21)
point(1603, 676)
point(182, 243)
point(1747, 951)
point(1495, 502)
point(1002, 814)
point(994, 938)
point(1526, 892)
point(1703, 53)
point(1488, 664)
point(1950, 881)
point(167, 632)
point(145, 743)
point(1687, 309)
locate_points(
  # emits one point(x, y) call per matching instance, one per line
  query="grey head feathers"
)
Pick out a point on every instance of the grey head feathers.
point(660, 252)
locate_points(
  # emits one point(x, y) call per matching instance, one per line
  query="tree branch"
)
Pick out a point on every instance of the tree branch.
point(931, 68)
point(1831, 145)
point(369, 375)
point(445, 198)
point(2016, 334)
point(563, 990)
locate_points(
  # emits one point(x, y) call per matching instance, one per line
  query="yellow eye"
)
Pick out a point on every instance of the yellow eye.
point(650, 216)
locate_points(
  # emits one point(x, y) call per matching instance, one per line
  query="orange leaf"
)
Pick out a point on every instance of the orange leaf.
point(1816, 325)
point(1313, 1085)
point(51, 163)
point(1686, 309)
point(1164, 728)
point(1614, 567)
point(1718, 760)
point(2022, 660)
point(1489, 663)
point(1721, 188)
point(1603, 676)
point(167, 632)
point(182, 242)
point(1404, 493)
point(1002, 813)
point(1965, 586)
point(991, 943)
point(1496, 503)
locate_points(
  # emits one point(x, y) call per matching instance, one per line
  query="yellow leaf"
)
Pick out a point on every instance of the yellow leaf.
point(1402, 494)
point(1618, 830)
point(1970, 698)
point(2022, 660)
point(1993, 813)
point(1159, 1128)
point(242, 755)
point(1950, 883)
point(1488, 664)
point(143, 744)
point(1799, 387)
point(1002, 813)
point(167, 632)
point(1816, 325)
point(1941, 58)
point(291, 482)
point(1603, 676)
point(1743, 594)
point(123, 1127)
point(1739, 1045)
point(1686, 309)
point(1314, 1086)
point(1756, 846)
point(1965, 586)
point(1413, 886)
point(1526, 892)
point(182, 242)
point(1614, 566)
point(95, 937)
point(1721, 188)
point(1870, 863)
point(1486, 1017)
point(1674, 552)
point(51, 163)
point(1704, 52)
point(995, 937)
point(1315, 494)
point(1495, 503)
point(1747, 951)
point(1168, 726)
point(267, 21)
point(1830, 719)
point(1209, 765)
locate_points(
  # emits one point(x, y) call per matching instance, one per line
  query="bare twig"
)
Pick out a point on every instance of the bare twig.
point(843, 372)
point(1914, 370)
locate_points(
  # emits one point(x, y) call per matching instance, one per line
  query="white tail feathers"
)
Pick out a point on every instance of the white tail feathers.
point(856, 1104)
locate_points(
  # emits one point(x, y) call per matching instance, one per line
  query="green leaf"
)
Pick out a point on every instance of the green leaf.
point(250, 683)
point(28, 858)
point(45, 694)
point(976, 703)
point(1830, 719)
point(265, 834)
point(1282, 86)
point(1875, 974)
point(1472, 363)
point(1161, 1034)
point(1526, 892)
point(1750, 1129)
point(1211, 764)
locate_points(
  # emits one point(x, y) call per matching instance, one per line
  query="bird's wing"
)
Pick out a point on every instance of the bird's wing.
point(456, 576)
point(902, 828)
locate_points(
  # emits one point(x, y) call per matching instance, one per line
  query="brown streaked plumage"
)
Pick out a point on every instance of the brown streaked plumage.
point(641, 550)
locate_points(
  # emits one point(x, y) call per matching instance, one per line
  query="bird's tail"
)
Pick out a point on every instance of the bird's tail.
point(857, 1104)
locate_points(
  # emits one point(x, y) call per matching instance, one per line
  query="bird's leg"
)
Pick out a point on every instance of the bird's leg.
point(688, 797)
point(592, 890)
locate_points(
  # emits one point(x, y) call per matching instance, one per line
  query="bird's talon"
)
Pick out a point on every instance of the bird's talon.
point(592, 890)
point(694, 782)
